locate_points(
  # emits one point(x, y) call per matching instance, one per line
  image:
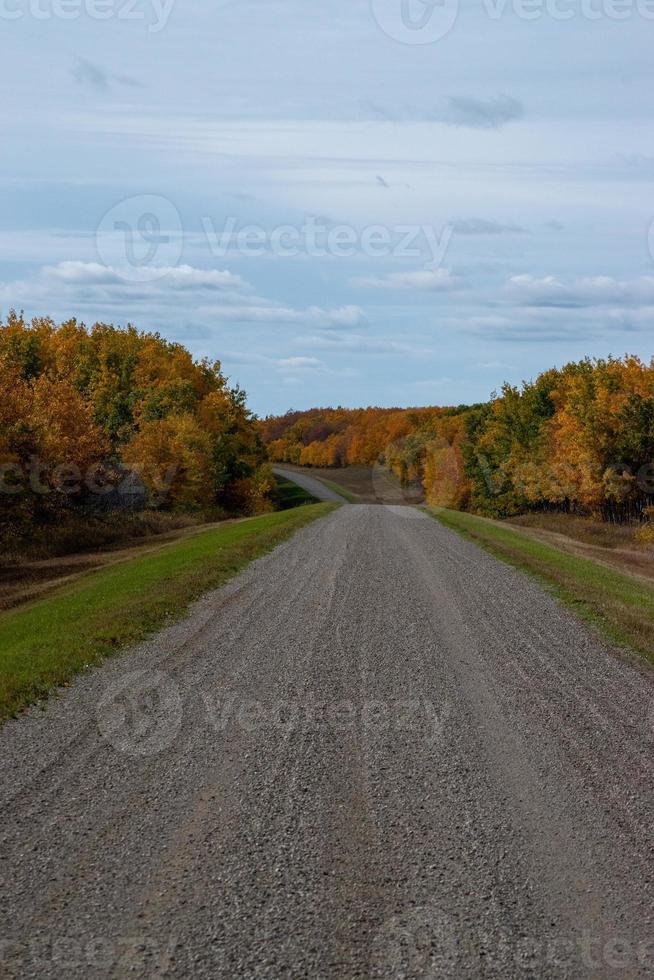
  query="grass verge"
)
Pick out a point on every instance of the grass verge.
point(43, 644)
point(341, 491)
point(622, 606)
point(287, 494)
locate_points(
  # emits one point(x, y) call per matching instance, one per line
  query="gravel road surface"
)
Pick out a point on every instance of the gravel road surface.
point(378, 752)
point(317, 489)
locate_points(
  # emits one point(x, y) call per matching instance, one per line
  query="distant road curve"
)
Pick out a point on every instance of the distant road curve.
point(315, 487)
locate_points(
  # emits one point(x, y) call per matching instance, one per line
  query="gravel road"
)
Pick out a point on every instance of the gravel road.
point(317, 489)
point(377, 753)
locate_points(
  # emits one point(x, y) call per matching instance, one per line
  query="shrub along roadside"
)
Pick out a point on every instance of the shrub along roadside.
point(44, 644)
point(621, 605)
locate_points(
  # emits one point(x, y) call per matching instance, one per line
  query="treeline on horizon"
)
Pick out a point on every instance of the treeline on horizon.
point(83, 408)
point(579, 439)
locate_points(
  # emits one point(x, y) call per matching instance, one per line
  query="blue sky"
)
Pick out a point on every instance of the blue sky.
point(480, 202)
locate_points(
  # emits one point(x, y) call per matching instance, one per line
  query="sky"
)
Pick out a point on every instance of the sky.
point(371, 202)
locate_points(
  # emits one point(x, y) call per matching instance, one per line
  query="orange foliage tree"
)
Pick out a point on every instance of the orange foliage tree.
point(579, 438)
point(78, 406)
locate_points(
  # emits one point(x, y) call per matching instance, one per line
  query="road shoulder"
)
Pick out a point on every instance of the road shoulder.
point(621, 606)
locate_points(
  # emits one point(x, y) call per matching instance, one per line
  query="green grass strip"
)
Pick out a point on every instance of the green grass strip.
point(44, 643)
point(621, 605)
point(341, 491)
point(288, 494)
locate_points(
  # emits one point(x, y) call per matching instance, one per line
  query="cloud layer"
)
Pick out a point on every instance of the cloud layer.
point(541, 176)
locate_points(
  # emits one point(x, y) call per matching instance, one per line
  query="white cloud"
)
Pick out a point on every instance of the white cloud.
point(558, 325)
point(314, 316)
point(165, 277)
point(484, 226)
point(81, 273)
point(300, 362)
point(79, 287)
point(550, 291)
point(99, 291)
point(432, 280)
point(293, 367)
point(187, 277)
point(358, 344)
